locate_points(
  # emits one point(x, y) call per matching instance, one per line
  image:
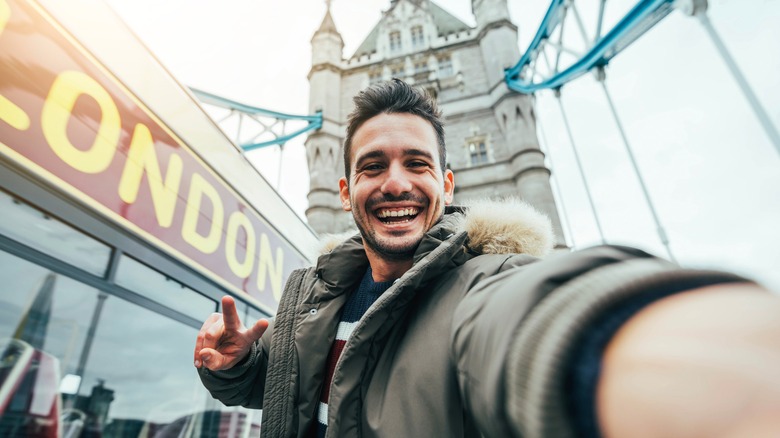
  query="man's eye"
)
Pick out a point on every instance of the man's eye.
point(418, 164)
point(372, 167)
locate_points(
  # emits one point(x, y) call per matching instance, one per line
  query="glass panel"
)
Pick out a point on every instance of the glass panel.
point(254, 315)
point(75, 358)
point(38, 230)
point(137, 277)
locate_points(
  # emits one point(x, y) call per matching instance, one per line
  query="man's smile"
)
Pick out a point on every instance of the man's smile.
point(397, 215)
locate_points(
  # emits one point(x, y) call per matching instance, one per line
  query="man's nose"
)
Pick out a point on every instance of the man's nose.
point(397, 181)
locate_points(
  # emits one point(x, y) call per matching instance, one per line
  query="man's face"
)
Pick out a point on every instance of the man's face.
point(397, 189)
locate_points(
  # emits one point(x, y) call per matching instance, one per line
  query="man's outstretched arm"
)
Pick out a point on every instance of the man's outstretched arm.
point(704, 363)
point(566, 347)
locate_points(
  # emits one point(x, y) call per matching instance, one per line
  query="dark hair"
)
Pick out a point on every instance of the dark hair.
point(394, 96)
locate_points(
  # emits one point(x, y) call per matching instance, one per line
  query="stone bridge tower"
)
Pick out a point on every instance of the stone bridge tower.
point(490, 130)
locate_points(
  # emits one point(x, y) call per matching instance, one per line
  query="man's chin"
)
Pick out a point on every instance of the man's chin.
point(393, 252)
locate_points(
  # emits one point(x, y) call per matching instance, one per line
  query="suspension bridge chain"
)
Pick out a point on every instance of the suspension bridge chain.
point(254, 128)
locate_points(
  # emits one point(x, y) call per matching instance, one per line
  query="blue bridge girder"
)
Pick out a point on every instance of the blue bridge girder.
point(270, 123)
point(524, 78)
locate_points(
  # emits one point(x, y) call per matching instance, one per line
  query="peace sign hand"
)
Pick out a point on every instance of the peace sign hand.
point(223, 341)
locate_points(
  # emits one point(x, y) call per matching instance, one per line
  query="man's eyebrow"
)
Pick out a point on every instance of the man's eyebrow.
point(381, 154)
point(370, 155)
point(419, 153)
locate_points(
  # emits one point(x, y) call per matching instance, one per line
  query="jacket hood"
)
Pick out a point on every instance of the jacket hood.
point(508, 226)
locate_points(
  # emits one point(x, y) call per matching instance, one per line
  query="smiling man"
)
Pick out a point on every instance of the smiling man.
point(396, 188)
point(442, 321)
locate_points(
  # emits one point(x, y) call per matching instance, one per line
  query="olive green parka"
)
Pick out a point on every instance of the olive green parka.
point(471, 341)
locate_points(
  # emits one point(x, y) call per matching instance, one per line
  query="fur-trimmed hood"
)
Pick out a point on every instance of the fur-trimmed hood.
point(508, 226)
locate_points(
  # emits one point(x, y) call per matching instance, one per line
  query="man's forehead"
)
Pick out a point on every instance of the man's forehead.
point(394, 133)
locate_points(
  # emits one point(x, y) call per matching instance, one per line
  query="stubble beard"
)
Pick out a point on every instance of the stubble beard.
point(385, 249)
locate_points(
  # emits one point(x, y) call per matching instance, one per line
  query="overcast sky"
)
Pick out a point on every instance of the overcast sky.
point(711, 171)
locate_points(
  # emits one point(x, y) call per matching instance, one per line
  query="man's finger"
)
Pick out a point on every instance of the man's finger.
point(200, 339)
point(213, 334)
point(212, 359)
point(257, 330)
point(230, 313)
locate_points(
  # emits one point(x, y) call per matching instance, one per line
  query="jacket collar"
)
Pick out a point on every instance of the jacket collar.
point(485, 227)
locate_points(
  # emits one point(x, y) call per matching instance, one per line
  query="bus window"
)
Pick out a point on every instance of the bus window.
point(137, 277)
point(253, 315)
point(34, 228)
point(125, 370)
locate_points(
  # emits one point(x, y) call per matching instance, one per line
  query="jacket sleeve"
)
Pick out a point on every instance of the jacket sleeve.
point(242, 385)
point(513, 334)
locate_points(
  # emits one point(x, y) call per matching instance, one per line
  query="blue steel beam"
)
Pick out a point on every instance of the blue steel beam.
point(643, 16)
point(314, 121)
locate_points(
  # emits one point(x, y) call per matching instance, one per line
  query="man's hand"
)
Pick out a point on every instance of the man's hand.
point(703, 363)
point(223, 340)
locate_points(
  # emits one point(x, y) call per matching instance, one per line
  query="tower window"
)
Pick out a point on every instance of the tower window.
point(418, 37)
point(477, 150)
point(445, 67)
point(395, 41)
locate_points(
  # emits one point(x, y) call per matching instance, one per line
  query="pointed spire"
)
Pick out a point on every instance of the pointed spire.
point(328, 26)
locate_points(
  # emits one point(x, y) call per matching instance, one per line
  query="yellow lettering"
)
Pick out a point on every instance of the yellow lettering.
point(13, 115)
point(9, 111)
point(5, 14)
point(209, 243)
point(142, 157)
point(274, 269)
point(57, 109)
point(239, 220)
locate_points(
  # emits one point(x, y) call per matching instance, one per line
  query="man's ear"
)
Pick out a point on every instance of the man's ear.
point(344, 194)
point(449, 186)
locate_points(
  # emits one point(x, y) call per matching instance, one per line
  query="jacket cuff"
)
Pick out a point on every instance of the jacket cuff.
point(239, 370)
point(539, 357)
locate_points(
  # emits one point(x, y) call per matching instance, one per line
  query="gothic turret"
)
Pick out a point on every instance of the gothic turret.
point(497, 37)
point(323, 148)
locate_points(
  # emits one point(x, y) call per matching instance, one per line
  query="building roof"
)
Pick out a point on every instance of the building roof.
point(445, 23)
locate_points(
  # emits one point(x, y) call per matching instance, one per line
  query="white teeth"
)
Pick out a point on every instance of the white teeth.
point(397, 213)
